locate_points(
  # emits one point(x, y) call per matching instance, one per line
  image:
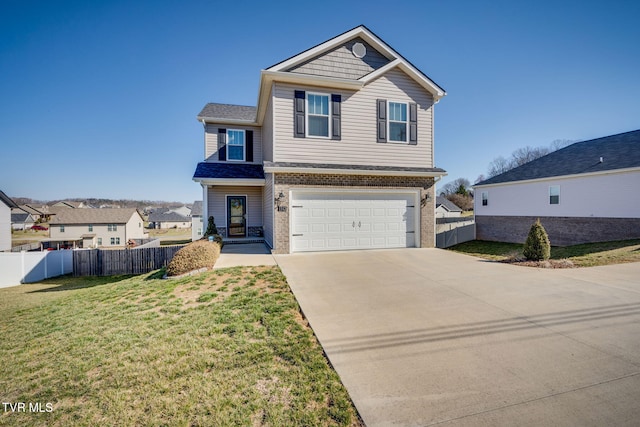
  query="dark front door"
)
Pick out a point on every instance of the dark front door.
point(237, 216)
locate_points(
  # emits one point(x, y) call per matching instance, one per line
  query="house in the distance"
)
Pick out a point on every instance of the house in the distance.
point(337, 154)
point(586, 192)
point(90, 228)
point(197, 224)
point(445, 208)
point(21, 220)
point(6, 204)
point(168, 219)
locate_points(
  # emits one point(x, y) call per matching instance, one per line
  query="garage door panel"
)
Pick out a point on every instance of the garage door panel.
point(339, 221)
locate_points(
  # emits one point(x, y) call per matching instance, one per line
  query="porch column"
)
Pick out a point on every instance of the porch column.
point(205, 207)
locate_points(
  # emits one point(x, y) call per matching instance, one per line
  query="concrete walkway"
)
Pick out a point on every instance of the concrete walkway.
point(431, 337)
point(234, 255)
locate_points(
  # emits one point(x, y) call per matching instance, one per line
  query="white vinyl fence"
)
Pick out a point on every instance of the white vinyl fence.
point(30, 267)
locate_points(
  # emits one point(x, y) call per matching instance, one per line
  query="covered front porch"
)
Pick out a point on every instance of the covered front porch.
point(233, 195)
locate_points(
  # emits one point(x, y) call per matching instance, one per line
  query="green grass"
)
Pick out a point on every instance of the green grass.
point(144, 351)
point(586, 255)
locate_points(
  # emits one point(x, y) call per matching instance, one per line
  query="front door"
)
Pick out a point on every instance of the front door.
point(236, 216)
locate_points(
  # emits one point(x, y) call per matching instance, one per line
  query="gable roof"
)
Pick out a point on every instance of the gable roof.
point(7, 200)
point(447, 204)
point(621, 151)
point(30, 209)
point(21, 217)
point(362, 32)
point(94, 216)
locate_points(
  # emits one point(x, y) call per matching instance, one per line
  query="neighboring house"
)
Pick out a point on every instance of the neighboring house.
point(36, 214)
point(170, 219)
point(445, 208)
point(197, 225)
point(68, 204)
point(6, 204)
point(586, 192)
point(337, 154)
point(21, 220)
point(95, 227)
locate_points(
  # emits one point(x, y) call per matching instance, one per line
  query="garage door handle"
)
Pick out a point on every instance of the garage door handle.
point(297, 235)
point(359, 224)
point(354, 224)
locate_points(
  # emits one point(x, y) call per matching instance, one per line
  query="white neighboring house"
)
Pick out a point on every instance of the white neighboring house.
point(197, 225)
point(21, 220)
point(182, 210)
point(445, 208)
point(586, 192)
point(5, 221)
point(170, 219)
point(95, 228)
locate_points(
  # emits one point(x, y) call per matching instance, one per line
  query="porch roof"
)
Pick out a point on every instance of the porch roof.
point(206, 170)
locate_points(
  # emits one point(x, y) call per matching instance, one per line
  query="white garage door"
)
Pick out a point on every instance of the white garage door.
point(341, 221)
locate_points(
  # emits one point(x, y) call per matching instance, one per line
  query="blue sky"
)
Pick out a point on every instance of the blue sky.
point(99, 99)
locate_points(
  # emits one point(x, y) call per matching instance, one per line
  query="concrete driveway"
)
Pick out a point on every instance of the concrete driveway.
point(431, 337)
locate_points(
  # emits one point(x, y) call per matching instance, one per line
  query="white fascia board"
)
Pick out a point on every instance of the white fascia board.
point(231, 181)
point(559, 177)
point(212, 120)
point(411, 71)
point(277, 169)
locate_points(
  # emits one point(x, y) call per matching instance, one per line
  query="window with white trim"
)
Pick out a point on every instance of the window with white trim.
point(115, 240)
point(99, 241)
point(112, 227)
point(318, 115)
point(235, 145)
point(90, 227)
point(397, 121)
point(62, 228)
point(554, 195)
point(485, 198)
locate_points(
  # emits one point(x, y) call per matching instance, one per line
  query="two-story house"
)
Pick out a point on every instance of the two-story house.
point(337, 154)
point(91, 228)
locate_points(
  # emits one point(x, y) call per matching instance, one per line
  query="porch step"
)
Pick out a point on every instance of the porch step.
point(233, 241)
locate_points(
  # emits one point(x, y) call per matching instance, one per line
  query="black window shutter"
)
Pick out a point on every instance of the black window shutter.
point(382, 120)
point(413, 124)
point(222, 144)
point(298, 114)
point(336, 132)
point(249, 145)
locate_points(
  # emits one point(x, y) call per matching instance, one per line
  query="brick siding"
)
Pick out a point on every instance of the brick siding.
point(287, 181)
point(563, 231)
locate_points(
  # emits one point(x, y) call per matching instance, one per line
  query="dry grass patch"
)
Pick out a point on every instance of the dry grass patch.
point(145, 351)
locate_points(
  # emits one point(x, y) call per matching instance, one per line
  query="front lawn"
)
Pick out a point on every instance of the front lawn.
point(226, 347)
point(586, 255)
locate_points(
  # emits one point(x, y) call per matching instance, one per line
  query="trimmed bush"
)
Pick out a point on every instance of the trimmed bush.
point(211, 227)
point(196, 255)
point(537, 246)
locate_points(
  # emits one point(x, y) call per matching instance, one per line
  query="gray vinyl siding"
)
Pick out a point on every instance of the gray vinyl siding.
point(218, 203)
point(358, 145)
point(340, 62)
point(267, 132)
point(211, 141)
point(268, 208)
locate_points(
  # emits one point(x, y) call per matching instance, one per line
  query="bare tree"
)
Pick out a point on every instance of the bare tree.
point(524, 155)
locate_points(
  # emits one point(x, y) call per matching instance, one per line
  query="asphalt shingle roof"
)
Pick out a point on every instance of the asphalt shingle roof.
point(92, 216)
point(228, 171)
point(214, 111)
point(20, 217)
point(451, 207)
point(196, 209)
point(617, 152)
point(7, 200)
point(167, 217)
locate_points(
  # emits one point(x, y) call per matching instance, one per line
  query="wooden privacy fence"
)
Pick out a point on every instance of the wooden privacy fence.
point(101, 262)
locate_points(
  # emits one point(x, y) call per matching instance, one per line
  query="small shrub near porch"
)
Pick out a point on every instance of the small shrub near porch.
point(197, 255)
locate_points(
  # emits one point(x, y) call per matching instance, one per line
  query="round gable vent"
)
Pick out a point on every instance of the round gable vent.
point(359, 50)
